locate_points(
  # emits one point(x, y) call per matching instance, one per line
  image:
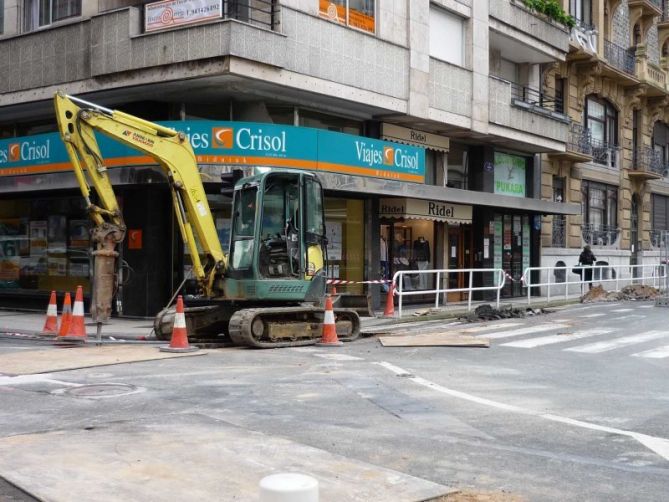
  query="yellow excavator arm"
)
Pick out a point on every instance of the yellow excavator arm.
point(78, 120)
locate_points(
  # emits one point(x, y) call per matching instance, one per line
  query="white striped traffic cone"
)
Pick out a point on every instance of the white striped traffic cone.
point(179, 339)
point(329, 337)
point(51, 323)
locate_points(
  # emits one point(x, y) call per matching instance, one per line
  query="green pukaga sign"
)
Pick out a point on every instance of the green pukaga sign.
point(509, 175)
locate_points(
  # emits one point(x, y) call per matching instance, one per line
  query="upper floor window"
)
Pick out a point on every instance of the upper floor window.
point(581, 10)
point(2, 17)
point(38, 13)
point(447, 34)
point(601, 119)
point(355, 13)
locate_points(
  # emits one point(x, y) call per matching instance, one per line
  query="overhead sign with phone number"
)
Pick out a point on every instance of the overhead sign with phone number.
point(170, 13)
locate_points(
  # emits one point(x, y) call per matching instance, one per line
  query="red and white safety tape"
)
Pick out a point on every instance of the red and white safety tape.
point(341, 281)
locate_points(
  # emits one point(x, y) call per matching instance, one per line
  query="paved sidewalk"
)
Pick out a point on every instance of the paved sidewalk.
point(142, 329)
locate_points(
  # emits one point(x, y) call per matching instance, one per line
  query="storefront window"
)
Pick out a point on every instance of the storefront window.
point(410, 246)
point(511, 252)
point(355, 13)
point(345, 232)
point(44, 244)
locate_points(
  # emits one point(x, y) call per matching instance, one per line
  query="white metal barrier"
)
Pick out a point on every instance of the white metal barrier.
point(621, 275)
point(442, 277)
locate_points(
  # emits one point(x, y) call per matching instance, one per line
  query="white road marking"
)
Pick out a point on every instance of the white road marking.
point(548, 340)
point(23, 379)
point(645, 306)
point(622, 310)
point(492, 326)
point(623, 317)
point(591, 316)
point(339, 357)
point(656, 444)
point(523, 331)
point(596, 348)
point(658, 353)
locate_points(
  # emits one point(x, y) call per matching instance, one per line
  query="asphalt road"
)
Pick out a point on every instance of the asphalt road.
point(572, 405)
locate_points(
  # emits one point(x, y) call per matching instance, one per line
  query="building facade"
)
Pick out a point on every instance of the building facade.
point(614, 87)
point(455, 84)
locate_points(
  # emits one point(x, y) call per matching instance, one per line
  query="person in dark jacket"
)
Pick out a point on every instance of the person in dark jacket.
point(587, 258)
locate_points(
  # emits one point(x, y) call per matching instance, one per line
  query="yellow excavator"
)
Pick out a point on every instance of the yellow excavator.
point(267, 291)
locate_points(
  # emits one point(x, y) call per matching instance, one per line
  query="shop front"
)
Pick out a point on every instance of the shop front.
point(420, 235)
point(44, 240)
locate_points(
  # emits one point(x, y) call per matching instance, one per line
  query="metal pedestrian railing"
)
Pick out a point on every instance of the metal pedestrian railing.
point(442, 279)
point(552, 278)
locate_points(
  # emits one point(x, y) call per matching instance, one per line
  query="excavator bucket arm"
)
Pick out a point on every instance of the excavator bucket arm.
point(78, 120)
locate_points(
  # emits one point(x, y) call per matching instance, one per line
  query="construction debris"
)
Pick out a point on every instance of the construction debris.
point(631, 292)
point(434, 340)
point(488, 313)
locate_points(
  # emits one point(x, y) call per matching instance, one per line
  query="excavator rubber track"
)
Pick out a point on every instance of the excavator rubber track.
point(274, 327)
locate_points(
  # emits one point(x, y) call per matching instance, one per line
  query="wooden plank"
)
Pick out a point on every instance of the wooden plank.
point(433, 340)
point(62, 359)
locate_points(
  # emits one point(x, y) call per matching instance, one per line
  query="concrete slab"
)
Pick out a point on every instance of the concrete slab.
point(61, 359)
point(188, 457)
point(433, 340)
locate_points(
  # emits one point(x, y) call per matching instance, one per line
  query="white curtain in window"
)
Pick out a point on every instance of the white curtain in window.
point(446, 36)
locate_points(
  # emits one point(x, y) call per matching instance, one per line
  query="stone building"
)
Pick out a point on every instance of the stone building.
point(613, 86)
point(451, 85)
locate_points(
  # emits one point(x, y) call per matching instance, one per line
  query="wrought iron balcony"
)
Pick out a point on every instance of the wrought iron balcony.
point(659, 239)
point(535, 97)
point(579, 139)
point(559, 232)
point(619, 57)
point(600, 235)
point(647, 163)
point(605, 154)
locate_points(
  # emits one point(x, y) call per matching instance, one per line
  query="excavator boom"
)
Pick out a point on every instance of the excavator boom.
point(78, 120)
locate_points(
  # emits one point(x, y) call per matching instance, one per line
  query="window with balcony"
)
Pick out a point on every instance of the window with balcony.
point(599, 205)
point(661, 144)
point(447, 35)
point(581, 11)
point(38, 13)
point(358, 14)
point(601, 119)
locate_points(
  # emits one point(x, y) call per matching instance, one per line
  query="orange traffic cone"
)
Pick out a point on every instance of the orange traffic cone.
point(66, 317)
point(390, 301)
point(179, 340)
point(329, 337)
point(77, 330)
point(51, 323)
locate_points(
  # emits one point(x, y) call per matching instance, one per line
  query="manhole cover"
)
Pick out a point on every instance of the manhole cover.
point(100, 391)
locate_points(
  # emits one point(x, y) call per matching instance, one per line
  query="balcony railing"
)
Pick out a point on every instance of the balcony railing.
point(259, 12)
point(605, 154)
point(599, 235)
point(559, 233)
point(618, 57)
point(535, 97)
point(579, 139)
point(647, 159)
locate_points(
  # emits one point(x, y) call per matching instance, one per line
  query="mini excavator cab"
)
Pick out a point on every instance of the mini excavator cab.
point(278, 245)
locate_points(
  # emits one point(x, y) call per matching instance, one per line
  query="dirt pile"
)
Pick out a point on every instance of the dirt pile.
point(631, 292)
point(487, 312)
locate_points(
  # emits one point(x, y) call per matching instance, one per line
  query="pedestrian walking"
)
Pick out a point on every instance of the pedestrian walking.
point(587, 258)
